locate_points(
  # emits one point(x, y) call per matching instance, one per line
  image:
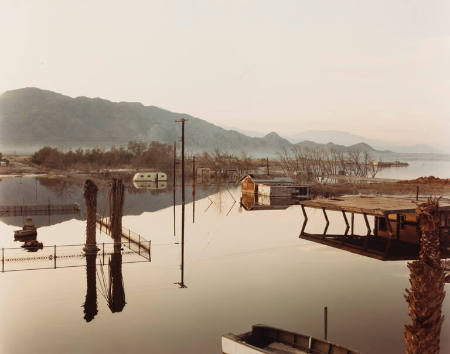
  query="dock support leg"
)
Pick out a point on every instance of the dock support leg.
point(352, 231)
point(390, 234)
point(369, 231)
point(328, 222)
point(346, 223)
point(302, 232)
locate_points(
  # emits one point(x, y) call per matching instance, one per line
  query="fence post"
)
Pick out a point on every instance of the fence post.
point(149, 250)
point(139, 252)
point(3, 259)
point(54, 256)
point(129, 238)
point(103, 253)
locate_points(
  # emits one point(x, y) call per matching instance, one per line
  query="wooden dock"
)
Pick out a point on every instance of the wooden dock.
point(43, 209)
point(394, 235)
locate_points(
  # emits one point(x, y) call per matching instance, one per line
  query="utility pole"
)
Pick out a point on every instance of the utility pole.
point(193, 189)
point(182, 121)
point(174, 182)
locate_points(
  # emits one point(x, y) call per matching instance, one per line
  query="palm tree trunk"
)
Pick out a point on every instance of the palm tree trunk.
point(427, 285)
point(90, 196)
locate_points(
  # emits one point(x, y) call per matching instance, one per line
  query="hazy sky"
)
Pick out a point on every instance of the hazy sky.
point(378, 68)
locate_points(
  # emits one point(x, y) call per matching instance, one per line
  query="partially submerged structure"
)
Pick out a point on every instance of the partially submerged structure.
point(395, 234)
point(250, 201)
point(265, 339)
point(277, 187)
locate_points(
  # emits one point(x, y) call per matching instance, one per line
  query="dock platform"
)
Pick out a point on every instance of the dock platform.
point(395, 234)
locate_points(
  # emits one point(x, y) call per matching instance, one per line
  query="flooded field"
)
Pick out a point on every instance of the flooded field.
point(241, 268)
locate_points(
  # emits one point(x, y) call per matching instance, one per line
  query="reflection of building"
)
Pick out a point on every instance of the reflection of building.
point(150, 185)
point(252, 201)
point(278, 187)
point(395, 235)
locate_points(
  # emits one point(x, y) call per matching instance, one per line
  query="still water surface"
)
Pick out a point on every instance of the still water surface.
point(418, 168)
point(243, 268)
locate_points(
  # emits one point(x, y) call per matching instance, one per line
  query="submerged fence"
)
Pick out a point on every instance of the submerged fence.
point(63, 256)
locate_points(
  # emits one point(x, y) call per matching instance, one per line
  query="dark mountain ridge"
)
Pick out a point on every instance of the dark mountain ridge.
point(31, 118)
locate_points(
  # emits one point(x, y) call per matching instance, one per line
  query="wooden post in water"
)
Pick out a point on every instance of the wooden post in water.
point(182, 121)
point(193, 189)
point(267, 165)
point(417, 192)
point(174, 182)
point(325, 321)
point(116, 200)
point(90, 196)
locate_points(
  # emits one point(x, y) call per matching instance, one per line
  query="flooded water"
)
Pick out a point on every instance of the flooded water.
point(241, 268)
point(418, 168)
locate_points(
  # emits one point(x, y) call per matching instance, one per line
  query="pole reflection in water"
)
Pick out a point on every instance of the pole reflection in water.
point(116, 293)
point(111, 286)
point(427, 280)
point(90, 304)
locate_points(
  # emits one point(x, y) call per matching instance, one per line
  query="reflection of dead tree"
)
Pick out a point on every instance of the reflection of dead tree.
point(90, 304)
point(90, 196)
point(116, 289)
point(112, 289)
point(427, 285)
point(116, 200)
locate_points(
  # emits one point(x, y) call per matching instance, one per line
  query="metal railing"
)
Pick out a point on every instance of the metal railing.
point(63, 256)
point(135, 241)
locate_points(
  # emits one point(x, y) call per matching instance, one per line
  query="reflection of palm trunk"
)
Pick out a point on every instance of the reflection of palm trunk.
point(90, 305)
point(90, 196)
point(427, 286)
point(116, 199)
point(116, 289)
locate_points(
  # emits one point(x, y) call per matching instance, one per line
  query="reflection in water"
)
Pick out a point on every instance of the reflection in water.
point(251, 201)
point(17, 191)
point(116, 293)
point(152, 185)
point(111, 288)
point(90, 304)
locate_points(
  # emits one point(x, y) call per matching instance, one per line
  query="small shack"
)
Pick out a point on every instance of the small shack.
point(277, 187)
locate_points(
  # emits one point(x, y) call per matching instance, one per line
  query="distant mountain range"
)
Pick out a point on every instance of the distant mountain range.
point(31, 118)
point(344, 138)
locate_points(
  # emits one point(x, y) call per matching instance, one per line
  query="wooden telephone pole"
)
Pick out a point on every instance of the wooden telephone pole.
point(182, 121)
